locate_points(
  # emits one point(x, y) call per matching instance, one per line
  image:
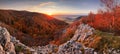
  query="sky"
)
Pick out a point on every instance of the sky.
point(53, 7)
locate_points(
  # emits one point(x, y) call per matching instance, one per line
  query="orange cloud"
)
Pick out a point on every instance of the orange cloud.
point(46, 4)
point(44, 7)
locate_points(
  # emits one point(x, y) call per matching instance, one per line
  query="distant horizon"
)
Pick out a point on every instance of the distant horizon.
point(53, 7)
point(47, 14)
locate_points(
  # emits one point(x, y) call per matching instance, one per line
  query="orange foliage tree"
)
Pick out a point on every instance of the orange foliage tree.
point(107, 19)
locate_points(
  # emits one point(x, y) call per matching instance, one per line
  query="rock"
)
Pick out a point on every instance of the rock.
point(72, 46)
point(1, 50)
point(89, 51)
point(24, 47)
point(8, 43)
point(9, 47)
point(46, 49)
point(5, 42)
point(4, 36)
point(82, 32)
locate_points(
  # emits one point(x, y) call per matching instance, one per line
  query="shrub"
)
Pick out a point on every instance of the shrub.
point(19, 48)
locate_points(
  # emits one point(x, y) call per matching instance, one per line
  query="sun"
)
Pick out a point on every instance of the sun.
point(49, 13)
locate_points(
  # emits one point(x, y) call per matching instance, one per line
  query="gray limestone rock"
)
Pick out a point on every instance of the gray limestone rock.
point(70, 47)
point(5, 42)
point(9, 47)
point(4, 36)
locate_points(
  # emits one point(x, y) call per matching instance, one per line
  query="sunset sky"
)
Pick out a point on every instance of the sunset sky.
point(52, 6)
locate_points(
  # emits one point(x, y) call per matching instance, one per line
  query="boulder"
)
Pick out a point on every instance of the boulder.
point(4, 36)
point(5, 42)
point(9, 47)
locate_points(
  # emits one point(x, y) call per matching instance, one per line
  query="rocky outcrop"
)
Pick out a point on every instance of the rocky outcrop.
point(8, 43)
point(5, 42)
point(72, 46)
point(48, 49)
point(83, 31)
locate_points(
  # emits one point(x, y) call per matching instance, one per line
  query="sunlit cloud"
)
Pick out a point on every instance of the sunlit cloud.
point(46, 4)
point(52, 8)
point(44, 7)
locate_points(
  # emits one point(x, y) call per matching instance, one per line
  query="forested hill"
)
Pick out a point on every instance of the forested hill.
point(30, 27)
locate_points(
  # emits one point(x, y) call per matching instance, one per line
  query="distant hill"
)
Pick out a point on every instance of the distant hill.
point(78, 18)
point(69, 18)
point(31, 28)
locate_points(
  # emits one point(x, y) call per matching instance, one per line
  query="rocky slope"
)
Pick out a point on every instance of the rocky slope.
point(71, 46)
point(84, 41)
point(8, 44)
point(76, 45)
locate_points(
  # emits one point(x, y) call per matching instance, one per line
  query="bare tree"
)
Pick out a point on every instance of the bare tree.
point(111, 5)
